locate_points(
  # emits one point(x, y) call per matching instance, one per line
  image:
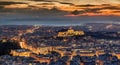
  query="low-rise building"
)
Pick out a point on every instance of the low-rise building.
point(21, 52)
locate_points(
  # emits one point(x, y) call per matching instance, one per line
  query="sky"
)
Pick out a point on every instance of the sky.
point(61, 7)
point(77, 2)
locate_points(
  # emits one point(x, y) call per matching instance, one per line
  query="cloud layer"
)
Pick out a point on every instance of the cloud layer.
point(64, 7)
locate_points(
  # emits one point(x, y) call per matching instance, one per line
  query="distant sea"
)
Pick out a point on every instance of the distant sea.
point(65, 21)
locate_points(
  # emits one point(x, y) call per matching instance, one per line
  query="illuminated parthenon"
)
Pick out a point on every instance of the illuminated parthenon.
point(70, 32)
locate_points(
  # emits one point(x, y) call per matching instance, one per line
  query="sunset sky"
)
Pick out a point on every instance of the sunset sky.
point(76, 2)
point(62, 7)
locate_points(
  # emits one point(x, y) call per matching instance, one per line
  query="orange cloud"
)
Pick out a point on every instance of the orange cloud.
point(95, 14)
point(83, 10)
point(16, 6)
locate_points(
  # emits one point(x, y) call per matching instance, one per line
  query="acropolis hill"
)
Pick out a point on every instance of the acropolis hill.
point(70, 32)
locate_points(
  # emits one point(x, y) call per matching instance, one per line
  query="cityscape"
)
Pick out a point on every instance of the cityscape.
point(59, 32)
point(60, 45)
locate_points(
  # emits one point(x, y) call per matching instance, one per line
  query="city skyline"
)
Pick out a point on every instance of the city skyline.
point(59, 32)
point(90, 44)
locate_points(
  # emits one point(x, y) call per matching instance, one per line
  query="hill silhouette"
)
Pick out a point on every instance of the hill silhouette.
point(6, 47)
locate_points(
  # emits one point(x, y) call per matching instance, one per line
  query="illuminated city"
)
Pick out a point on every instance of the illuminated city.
point(59, 32)
point(66, 45)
